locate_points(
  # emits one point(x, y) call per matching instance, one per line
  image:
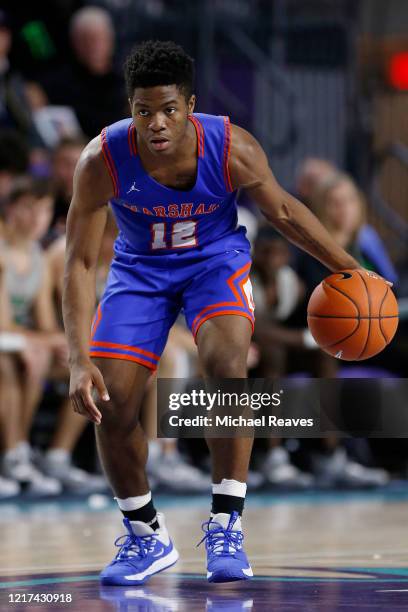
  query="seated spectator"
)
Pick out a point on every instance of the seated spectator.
point(90, 84)
point(14, 160)
point(64, 160)
point(29, 286)
point(277, 293)
point(27, 215)
point(10, 343)
point(309, 174)
point(14, 109)
point(342, 208)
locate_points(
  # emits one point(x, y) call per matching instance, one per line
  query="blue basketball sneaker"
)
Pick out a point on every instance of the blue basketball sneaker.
point(142, 553)
point(226, 559)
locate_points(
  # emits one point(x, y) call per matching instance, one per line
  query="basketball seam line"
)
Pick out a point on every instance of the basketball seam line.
point(345, 295)
point(379, 323)
point(369, 314)
point(327, 346)
point(317, 316)
point(358, 320)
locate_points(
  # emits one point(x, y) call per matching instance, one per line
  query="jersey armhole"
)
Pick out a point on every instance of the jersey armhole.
point(227, 154)
point(110, 165)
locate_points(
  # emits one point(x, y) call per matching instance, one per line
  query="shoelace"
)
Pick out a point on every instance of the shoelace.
point(218, 539)
point(139, 545)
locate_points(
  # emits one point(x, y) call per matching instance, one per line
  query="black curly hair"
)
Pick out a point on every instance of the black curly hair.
point(156, 62)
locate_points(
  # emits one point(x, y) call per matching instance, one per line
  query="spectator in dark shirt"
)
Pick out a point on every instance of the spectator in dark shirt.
point(15, 112)
point(90, 84)
point(14, 160)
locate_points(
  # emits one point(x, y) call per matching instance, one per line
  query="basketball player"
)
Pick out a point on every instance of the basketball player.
point(171, 177)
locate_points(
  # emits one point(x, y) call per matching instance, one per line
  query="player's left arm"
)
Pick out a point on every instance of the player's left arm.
point(249, 169)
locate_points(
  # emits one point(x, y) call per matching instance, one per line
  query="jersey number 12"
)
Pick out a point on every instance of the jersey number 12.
point(182, 235)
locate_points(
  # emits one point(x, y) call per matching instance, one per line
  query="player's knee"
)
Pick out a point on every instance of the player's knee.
point(225, 364)
point(120, 413)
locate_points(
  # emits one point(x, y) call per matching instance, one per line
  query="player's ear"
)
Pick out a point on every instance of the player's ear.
point(130, 104)
point(191, 104)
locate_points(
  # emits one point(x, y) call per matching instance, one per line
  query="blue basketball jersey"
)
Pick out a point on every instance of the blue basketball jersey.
point(154, 219)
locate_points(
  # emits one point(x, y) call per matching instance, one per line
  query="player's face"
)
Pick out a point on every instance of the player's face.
point(160, 117)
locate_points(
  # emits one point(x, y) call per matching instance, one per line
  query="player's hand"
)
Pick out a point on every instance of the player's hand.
point(85, 380)
point(375, 275)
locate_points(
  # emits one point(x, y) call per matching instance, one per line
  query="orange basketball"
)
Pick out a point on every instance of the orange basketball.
point(353, 315)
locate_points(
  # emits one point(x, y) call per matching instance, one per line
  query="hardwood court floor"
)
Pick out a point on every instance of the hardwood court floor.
point(323, 553)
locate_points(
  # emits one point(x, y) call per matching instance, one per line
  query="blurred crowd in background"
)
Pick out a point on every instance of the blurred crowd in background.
point(46, 119)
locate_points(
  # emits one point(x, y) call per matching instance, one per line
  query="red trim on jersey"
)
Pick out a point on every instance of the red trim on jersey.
point(227, 153)
point(238, 313)
point(124, 357)
point(200, 134)
point(239, 302)
point(109, 163)
point(125, 347)
point(132, 139)
point(96, 320)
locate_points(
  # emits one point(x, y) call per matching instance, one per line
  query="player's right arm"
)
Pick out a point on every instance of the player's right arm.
point(85, 226)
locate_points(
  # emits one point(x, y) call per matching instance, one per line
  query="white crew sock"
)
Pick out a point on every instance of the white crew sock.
point(134, 503)
point(230, 487)
point(233, 494)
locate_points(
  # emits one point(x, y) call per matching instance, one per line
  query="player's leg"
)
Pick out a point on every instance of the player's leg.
point(120, 438)
point(129, 334)
point(223, 344)
point(122, 446)
point(219, 311)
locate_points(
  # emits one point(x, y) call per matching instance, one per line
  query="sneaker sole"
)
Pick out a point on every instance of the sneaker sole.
point(158, 566)
point(232, 576)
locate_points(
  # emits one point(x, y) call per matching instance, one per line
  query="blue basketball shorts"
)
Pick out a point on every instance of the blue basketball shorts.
point(145, 294)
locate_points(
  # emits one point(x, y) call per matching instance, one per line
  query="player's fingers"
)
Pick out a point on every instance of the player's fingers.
point(89, 407)
point(77, 404)
point(100, 386)
point(74, 404)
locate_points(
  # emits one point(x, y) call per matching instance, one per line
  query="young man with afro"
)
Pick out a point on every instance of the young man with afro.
point(171, 176)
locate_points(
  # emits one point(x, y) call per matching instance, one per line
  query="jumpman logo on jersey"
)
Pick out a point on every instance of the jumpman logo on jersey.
point(133, 187)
